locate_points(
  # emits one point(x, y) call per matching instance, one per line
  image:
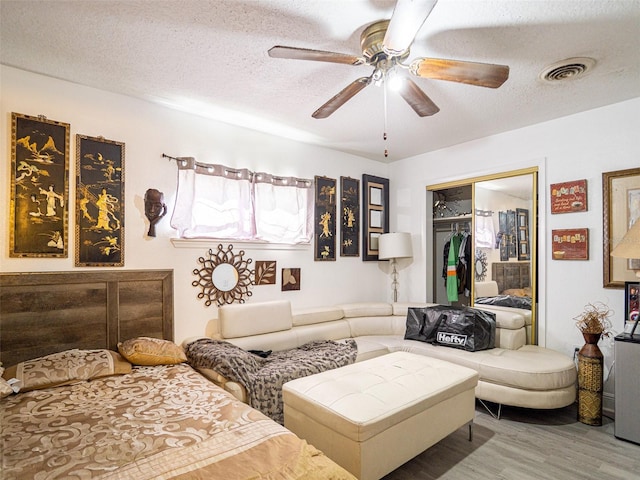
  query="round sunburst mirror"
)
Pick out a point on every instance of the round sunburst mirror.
point(481, 265)
point(225, 277)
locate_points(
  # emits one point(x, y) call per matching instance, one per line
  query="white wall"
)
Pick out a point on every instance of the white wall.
point(148, 131)
point(575, 147)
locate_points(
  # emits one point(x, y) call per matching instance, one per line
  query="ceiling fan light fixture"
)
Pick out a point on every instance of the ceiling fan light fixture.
point(407, 19)
point(394, 80)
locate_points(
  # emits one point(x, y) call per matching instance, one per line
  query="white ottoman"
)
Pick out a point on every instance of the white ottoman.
point(372, 416)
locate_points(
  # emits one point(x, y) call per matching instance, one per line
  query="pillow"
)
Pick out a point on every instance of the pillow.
point(67, 367)
point(518, 292)
point(151, 351)
point(5, 388)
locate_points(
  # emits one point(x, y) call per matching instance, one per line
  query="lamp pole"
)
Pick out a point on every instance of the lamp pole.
point(394, 279)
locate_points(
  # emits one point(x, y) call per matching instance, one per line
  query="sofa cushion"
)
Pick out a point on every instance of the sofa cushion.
point(526, 314)
point(486, 289)
point(376, 325)
point(366, 309)
point(370, 347)
point(530, 367)
point(336, 330)
point(454, 355)
point(243, 320)
point(507, 318)
point(308, 316)
point(276, 341)
point(401, 308)
point(511, 339)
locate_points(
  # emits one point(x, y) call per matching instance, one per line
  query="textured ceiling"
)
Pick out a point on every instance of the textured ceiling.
point(210, 58)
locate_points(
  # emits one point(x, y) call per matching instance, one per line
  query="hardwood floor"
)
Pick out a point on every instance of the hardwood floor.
point(527, 445)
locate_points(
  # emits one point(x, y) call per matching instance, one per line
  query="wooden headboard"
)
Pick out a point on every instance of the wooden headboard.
point(43, 313)
point(511, 275)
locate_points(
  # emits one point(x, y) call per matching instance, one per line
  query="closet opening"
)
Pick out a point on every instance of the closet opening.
point(484, 239)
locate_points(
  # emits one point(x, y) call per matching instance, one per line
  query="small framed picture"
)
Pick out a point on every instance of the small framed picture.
point(375, 220)
point(631, 301)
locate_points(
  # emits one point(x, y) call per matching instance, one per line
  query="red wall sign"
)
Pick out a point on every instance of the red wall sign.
point(570, 244)
point(569, 197)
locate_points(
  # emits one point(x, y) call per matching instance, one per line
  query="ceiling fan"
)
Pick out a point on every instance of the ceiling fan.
point(385, 46)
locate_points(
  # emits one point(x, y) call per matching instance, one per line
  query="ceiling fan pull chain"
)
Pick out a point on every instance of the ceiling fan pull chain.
point(384, 96)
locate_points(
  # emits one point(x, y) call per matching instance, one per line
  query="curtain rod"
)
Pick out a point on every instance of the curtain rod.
point(234, 170)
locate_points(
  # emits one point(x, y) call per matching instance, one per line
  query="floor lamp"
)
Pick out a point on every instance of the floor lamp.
point(392, 246)
point(629, 247)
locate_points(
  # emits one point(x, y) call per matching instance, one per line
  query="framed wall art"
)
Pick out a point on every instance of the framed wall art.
point(375, 214)
point(569, 197)
point(631, 301)
point(99, 202)
point(325, 219)
point(290, 279)
point(503, 236)
point(522, 229)
point(39, 202)
point(350, 217)
point(570, 244)
point(621, 209)
point(265, 272)
point(512, 233)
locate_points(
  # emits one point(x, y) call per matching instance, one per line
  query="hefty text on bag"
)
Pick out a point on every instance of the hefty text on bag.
point(451, 338)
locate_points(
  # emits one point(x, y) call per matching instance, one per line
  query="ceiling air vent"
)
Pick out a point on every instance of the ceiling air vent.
point(568, 69)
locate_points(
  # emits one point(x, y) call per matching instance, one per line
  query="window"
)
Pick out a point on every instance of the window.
point(214, 201)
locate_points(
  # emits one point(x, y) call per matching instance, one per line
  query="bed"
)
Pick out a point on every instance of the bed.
point(121, 421)
point(512, 277)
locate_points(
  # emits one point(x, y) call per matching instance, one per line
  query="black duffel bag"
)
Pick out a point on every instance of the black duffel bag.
point(459, 327)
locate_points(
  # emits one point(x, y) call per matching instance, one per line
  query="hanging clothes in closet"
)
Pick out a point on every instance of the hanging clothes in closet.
point(456, 271)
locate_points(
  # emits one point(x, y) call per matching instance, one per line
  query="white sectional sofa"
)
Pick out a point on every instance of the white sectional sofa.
point(513, 373)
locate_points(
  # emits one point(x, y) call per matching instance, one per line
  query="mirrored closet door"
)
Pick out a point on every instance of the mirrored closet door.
point(490, 223)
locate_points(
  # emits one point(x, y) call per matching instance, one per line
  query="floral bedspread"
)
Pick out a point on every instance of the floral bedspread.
point(164, 422)
point(263, 378)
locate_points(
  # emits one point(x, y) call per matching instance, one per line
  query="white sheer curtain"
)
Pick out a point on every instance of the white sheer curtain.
point(214, 201)
point(283, 209)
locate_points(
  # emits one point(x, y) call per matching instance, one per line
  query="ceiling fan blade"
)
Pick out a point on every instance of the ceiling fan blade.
point(341, 98)
point(295, 53)
point(417, 99)
point(408, 16)
point(480, 74)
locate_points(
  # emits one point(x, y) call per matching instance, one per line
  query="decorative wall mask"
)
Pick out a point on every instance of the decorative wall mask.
point(154, 208)
point(224, 277)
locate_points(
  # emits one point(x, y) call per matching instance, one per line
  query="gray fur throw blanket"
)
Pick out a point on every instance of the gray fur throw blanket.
point(263, 378)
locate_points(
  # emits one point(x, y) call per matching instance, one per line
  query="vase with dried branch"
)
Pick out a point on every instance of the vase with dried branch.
point(594, 323)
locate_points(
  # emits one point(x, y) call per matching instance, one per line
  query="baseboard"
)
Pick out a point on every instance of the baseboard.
point(608, 405)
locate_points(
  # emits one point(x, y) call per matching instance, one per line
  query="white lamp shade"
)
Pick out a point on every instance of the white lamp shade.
point(394, 245)
point(629, 246)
